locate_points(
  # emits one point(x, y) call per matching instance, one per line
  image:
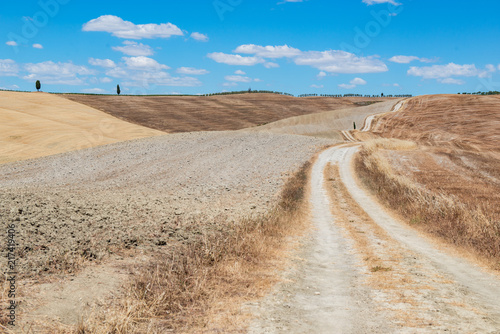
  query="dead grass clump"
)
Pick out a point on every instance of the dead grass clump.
point(440, 214)
point(208, 277)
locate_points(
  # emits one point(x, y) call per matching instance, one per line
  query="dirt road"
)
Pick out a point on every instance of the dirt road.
point(362, 271)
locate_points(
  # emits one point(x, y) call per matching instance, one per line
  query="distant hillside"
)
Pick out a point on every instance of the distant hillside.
point(213, 113)
point(34, 125)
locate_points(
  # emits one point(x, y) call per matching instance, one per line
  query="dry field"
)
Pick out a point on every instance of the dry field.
point(450, 185)
point(204, 217)
point(139, 202)
point(37, 124)
point(213, 113)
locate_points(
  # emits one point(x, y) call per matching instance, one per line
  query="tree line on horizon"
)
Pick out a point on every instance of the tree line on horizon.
point(38, 86)
point(491, 92)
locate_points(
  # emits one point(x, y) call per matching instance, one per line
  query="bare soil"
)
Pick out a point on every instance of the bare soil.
point(174, 114)
point(136, 197)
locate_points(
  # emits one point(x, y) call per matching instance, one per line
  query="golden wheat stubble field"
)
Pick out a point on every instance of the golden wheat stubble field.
point(33, 125)
point(458, 158)
point(174, 114)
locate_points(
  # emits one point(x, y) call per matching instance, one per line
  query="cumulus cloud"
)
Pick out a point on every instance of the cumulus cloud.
point(191, 71)
point(270, 64)
point(199, 37)
point(448, 71)
point(229, 84)
point(12, 43)
point(409, 59)
point(353, 83)
point(8, 68)
point(106, 80)
point(332, 61)
point(146, 72)
point(57, 73)
point(268, 51)
point(37, 46)
point(126, 29)
point(336, 61)
point(239, 72)
point(131, 48)
point(321, 75)
point(237, 60)
point(107, 63)
point(144, 64)
point(358, 82)
point(377, 2)
point(317, 86)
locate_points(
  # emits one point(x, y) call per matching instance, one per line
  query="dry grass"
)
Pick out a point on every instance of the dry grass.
point(443, 214)
point(199, 285)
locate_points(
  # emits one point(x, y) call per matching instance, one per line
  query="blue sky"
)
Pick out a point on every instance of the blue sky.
point(195, 47)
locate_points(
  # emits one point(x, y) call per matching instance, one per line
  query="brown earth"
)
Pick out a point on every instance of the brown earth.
point(213, 113)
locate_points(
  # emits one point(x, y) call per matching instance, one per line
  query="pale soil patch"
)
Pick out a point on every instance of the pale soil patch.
point(37, 124)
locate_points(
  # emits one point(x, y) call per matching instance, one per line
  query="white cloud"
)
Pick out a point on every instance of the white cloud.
point(146, 72)
point(335, 61)
point(191, 71)
point(285, 1)
point(38, 46)
point(238, 60)
point(409, 59)
point(229, 84)
point(237, 78)
point(135, 49)
point(57, 73)
point(332, 61)
point(8, 68)
point(447, 71)
point(106, 80)
point(403, 59)
point(199, 37)
point(12, 43)
point(94, 91)
point(346, 86)
point(143, 63)
point(239, 72)
point(490, 68)
point(353, 83)
point(321, 75)
point(376, 2)
point(317, 86)
point(269, 51)
point(270, 64)
point(107, 63)
point(358, 82)
point(452, 81)
point(126, 29)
